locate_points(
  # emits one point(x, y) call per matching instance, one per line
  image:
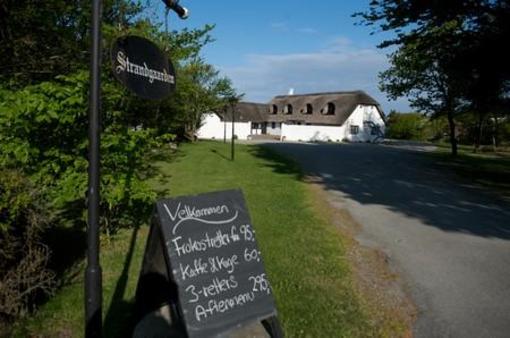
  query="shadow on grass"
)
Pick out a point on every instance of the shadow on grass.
point(402, 180)
point(492, 171)
point(65, 256)
point(278, 162)
point(214, 151)
point(119, 318)
point(153, 170)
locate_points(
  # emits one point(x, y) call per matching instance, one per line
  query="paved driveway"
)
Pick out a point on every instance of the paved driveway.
point(449, 240)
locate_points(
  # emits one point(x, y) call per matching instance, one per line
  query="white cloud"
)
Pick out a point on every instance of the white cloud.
point(307, 30)
point(339, 66)
point(339, 44)
point(284, 27)
point(280, 26)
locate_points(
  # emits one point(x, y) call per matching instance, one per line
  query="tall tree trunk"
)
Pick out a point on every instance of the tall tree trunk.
point(479, 132)
point(453, 136)
point(495, 133)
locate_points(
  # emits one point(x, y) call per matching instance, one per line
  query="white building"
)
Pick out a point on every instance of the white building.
point(339, 116)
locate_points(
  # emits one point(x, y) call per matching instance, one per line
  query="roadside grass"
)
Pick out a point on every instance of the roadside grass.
point(304, 254)
point(490, 169)
point(63, 315)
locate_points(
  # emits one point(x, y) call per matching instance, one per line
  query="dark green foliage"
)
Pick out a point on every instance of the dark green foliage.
point(201, 90)
point(44, 59)
point(40, 39)
point(411, 126)
point(43, 129)
point(448, 59)
point(503, 132)
point(24, 275)
point(415, 126)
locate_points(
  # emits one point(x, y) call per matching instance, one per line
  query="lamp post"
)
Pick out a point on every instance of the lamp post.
point(233, 141)
point(225, 125)
point(93, 283)
point(93, 274)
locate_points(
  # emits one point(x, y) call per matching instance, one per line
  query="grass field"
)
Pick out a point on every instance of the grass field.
point(303, 253)
point(486, 168)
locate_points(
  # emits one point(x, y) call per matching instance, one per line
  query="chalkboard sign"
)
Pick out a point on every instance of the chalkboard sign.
point(214, 265)
point(142, 67)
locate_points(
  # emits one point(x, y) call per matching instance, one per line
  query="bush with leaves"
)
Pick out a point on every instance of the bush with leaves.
point(43, 129)
point(410, 126)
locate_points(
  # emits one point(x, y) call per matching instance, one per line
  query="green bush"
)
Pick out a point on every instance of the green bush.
point(504, 132)
point(406, 126)
point(415, 126)
point(43, 130)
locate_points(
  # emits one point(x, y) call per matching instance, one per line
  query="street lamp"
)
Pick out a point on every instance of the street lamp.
point(93, 274)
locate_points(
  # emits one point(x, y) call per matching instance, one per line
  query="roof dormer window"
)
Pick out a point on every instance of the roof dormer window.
point(329, 109)
point(274, 109)
point(309, 109)
point(287, 109)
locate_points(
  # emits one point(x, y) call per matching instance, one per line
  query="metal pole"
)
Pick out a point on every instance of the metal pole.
point(93, 284)
point(232, 146)
point(225, 126)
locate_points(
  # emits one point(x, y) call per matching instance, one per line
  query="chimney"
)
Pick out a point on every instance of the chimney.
point(291, 91)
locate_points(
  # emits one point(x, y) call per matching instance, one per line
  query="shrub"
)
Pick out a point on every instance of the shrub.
point(24, 275)
point(409, 126)
point(43, 129)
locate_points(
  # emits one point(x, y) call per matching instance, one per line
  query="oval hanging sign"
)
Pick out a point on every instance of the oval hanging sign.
point(142, 67)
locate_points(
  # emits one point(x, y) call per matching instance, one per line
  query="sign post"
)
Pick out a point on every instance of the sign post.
point(93, 283)
point(151, 76)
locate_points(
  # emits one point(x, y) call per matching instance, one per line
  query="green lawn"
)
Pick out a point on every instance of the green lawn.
point(303, 253)
point(486, 168)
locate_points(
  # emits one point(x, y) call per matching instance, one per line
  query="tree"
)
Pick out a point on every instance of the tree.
point(441, 61)
point(486, 68)
point(44, 87)
point(203, 90)
point(424, 76)
point(42, 39)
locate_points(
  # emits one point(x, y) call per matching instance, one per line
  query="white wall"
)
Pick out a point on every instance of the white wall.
point(359, 116)
point(310, 133)
point(213, 128)
point(274, 131)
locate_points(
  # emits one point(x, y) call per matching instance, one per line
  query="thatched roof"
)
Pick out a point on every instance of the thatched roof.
point(343, 104)
point(306, 108)
point(246, 112)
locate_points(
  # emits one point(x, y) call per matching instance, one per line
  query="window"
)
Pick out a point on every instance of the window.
point(354, 130)
point(330, 109)
point(288, 109)
point(274, 109)
point(309, 109)
point(273, 125)
point(254, 125)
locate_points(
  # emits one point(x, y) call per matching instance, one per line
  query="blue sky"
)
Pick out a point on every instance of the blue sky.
point(267, 47)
